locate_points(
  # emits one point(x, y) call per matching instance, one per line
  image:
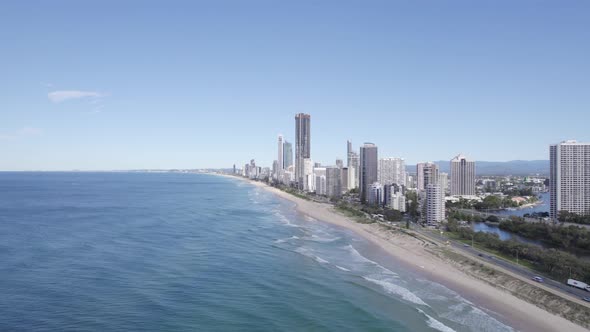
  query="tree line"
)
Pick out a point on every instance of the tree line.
point(555, 263)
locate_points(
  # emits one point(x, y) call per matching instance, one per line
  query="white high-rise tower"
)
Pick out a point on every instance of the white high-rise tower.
point(570, 178)
point(280, 163)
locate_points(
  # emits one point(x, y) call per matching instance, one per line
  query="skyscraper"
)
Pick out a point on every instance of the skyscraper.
point(348, 152)
point(375, 194)
point(570, 178)
point(426, 173)
point(435, 208)
point(462, 176)
point(302, 146)
point(352, 161)
point(392, 170)
point(368, 169)
point(333, 182)
point(443, 180)
point(287, 155)
point(280, 162)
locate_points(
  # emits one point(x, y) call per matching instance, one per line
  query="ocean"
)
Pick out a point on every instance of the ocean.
point(197, 252)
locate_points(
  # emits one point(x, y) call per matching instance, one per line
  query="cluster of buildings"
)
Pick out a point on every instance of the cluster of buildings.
point(385, 182)
point(379, 181)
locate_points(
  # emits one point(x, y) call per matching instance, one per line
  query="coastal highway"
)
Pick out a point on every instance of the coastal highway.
point(507, 265)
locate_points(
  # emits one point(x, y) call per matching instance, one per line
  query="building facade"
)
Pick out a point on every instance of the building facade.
point(443, 180)
point(375, 194)
point(369, 165)
point(280, 162)
point(426, 173)
point(569, 178)
point(333, 182)
point(302, 147)
point(462, 176)
point(392, 170)
point(435, 206)
point(287, 155)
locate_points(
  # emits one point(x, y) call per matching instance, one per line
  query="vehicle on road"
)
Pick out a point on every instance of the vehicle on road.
point(537, 279)
point(465, 245)
point(578, 284)
point(587, 299)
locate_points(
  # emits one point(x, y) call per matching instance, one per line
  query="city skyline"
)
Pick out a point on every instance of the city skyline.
point(182, 94)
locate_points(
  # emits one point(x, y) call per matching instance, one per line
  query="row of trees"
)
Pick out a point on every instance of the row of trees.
point(570, 238)
point(565, 216)
point(495, 203)
point(491, 202)
point(558, 264)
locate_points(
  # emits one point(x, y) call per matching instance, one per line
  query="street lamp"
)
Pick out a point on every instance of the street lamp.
point(516, 256)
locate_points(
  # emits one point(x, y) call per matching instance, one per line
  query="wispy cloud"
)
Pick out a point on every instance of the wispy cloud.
point(20, 133)
point(64, 95)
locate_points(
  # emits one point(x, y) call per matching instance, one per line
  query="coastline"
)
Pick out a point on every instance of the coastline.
point(416, 254)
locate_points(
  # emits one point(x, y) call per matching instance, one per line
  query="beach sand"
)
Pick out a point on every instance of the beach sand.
point(519, 314)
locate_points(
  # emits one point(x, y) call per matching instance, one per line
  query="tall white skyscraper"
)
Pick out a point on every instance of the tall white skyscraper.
point(352, 162)
point(369, 165)
point(302, 147)
point(435, 207)
point(280, 163)
point(462, 176)
point(392, 170)
point(570, 178)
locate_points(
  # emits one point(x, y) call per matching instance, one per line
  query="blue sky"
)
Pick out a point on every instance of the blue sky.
point(185, 84)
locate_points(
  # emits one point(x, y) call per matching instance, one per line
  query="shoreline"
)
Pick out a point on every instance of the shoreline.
point(412, 252)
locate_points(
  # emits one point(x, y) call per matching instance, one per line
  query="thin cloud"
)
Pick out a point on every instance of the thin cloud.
point(64, 95)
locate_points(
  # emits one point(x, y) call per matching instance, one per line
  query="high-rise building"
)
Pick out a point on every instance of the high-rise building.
point(435, 208)
point(333, 182)
point(569, 178)
point(426, 173)
point(319, 176)
point(339, 163)
point(302, 146)
point(287, 155)
point(348, 152)
point(369, 164)
point(392, 170)
point(307, 177)
point(352, 161)
point(443, 180)
point(375, 194)
point(275, 170)
point(462, 176)
point(395, 197)
point(280, 162)
point(344, 179)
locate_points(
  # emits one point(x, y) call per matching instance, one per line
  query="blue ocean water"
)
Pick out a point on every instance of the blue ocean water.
point(194, 252)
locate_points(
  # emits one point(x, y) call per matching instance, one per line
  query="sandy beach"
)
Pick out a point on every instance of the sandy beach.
point(521, 315)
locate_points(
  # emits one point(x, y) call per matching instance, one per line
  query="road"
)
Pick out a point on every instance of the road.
point(510, 266)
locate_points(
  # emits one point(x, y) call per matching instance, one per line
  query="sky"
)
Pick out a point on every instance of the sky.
point(104, 85)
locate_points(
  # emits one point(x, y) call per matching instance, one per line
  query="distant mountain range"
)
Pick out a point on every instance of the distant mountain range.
point(513, 167)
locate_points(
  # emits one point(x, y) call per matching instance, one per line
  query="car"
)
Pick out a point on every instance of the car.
point(587, 299)
point(480, 255)
point(465, 245)
point(537, 279)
